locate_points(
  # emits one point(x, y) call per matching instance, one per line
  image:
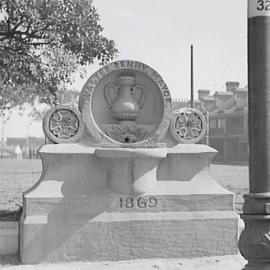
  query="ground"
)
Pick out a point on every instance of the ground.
point(233, 178)
point(232, 262)
point(17, 176)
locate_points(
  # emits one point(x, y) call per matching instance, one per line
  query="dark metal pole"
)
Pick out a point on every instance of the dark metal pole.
point(207, 128)
point(254, 242)
point(2, 137)
point(192, 80)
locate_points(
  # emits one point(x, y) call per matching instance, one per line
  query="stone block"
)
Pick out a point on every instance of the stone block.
point(124, 236)
point(9, 237)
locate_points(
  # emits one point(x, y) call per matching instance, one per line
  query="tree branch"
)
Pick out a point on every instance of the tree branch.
point(38, 43)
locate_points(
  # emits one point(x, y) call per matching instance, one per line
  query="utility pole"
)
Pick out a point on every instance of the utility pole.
point(191, 79)
point(27, 140)
point(207, 128)
point(254, 243)
point(2, 137)
point(4, 118)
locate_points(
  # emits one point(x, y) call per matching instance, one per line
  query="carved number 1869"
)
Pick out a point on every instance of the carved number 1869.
point(263, 5)
point(140, 202)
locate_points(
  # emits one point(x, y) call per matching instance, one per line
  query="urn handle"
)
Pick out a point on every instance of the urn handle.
point(139, 94)
point(110, 93)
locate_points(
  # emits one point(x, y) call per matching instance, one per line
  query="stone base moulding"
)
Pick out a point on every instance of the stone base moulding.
point(254, 241)
point(73, 213)
point(124, 236)
point(9, 238)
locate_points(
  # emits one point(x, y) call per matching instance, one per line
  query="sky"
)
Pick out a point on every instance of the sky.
point(160, 33)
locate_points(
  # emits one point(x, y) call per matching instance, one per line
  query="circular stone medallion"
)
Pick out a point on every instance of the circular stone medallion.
point(63, 124)
point(188, 125)
point(126, 103)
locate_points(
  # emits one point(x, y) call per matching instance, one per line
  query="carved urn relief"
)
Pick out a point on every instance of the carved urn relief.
point(126, 103)
point(124, 98)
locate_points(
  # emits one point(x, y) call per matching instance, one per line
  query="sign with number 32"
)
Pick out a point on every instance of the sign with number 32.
point(258, 8)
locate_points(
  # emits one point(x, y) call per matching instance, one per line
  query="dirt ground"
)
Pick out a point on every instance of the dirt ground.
point(17, 176)
point(233, 178)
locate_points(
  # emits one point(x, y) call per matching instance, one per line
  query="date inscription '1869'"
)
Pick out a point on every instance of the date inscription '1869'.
point(139, 202)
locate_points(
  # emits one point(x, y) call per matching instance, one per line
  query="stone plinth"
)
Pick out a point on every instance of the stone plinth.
point(73, 213)
point(133, 185)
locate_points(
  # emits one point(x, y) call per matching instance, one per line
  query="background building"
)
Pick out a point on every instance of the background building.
point(227, 112)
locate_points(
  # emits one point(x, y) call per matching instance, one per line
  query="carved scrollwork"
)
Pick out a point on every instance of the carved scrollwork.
point(63, 124)
point(254, 241)
point(131, 133)
point(188, 125)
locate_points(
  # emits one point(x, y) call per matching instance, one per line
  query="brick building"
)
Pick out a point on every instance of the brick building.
point(228, 121)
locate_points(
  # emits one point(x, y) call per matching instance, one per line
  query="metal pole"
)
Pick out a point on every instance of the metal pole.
point(207, 128)
point(254, 242)
point(191, 80)
point(27, 140)
point(2, 137)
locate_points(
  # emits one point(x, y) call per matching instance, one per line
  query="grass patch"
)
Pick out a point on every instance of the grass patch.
point(17, 176)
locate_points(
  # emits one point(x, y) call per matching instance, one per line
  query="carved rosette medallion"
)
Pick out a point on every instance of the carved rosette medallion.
point(188, 125)
point(63, 124)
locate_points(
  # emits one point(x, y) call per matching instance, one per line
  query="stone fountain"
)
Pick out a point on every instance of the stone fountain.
point(123, 177)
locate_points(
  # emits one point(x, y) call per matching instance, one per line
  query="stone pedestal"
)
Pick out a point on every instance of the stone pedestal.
point(72, 213)
point(126, 180)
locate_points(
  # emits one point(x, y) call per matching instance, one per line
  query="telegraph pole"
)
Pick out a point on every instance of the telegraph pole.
point(2, 137)
point(207, 128)
point(191, 79)
point(254, 242)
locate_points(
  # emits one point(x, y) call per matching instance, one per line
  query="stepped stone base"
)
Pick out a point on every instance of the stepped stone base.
point(179, 226)
point(132, 236)
point(65, 220)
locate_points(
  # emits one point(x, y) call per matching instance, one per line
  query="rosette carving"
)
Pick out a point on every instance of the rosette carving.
point(188, 125)
point(63, 124)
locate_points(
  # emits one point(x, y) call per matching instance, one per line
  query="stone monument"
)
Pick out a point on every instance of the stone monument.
point(123, 178)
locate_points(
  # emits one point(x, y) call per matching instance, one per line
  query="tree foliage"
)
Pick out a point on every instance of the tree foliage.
point(64, 97)
point(42, 42)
